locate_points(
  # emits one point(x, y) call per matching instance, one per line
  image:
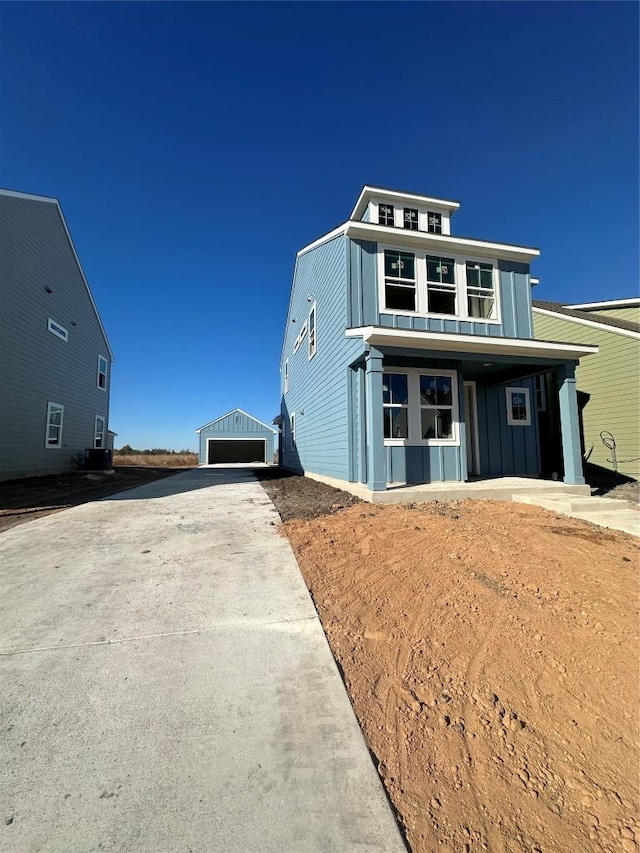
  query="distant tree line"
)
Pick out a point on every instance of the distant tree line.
point(127, 450)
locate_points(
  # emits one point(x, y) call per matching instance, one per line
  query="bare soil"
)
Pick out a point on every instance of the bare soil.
point(34, 497)
point(490, 651)
point(301, 497)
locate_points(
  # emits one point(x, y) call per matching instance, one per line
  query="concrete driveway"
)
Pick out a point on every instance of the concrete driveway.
point(166, 684)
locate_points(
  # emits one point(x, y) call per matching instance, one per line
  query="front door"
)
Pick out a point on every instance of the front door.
point(471, 421)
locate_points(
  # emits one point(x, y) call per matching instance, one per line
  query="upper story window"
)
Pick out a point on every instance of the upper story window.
point(58, 330)
point(286, 376)
point(102, 372)
point(434, 222)
point(55, 415)
point(441, 285)
point(301, 336)
point(312, 331)
point(386, 214)
point(480, 290)
point(410, 218)
point(400, 280)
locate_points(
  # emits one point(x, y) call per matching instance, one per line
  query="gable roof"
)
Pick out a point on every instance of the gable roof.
point(233, 412)
point(49, 200)
point(633, 302)
point(588, 318)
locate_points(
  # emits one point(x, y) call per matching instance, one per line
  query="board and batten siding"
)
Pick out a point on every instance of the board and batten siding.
point(237, 425)
point(318, 387)
point(36, 366)
point(505, 450)
point(611, 378)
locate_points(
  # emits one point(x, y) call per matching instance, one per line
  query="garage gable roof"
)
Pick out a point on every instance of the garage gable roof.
point(233, 412)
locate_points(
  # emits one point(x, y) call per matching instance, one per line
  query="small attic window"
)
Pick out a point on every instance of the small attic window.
point(410, 218)
point(434, 223)
point(386, 214)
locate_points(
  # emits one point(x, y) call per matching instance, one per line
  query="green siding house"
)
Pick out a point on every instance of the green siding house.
point(608, 383)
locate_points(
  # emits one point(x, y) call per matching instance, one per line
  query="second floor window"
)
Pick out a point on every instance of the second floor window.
point(434, 223)
point(410, 218)
point(480, 290)
point(441, 285)
point(386, 215)
point(102, 372)
point(400, 280)
point(312, 331)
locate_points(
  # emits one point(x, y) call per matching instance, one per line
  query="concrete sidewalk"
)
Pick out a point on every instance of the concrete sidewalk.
point(166, 684)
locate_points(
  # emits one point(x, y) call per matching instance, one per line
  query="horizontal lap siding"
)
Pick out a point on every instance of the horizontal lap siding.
point(319, 387)
point(37, 366)
point(612, 380)
point(631, 314)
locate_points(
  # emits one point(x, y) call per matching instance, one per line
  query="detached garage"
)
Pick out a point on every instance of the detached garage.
point(236, 437)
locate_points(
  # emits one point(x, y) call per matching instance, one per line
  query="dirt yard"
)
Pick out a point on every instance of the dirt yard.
point(491, 654)
point(34, 497)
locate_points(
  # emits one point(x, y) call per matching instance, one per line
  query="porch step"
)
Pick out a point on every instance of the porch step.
point(606, 512)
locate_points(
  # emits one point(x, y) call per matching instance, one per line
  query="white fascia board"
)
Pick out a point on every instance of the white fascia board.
point(534, 281)
point(613, 303)
point(28, 196)
point(440, 242)
point(592, 324)
point(324, 239)
point(394, 196)
point(233, 412)
point(444, 341)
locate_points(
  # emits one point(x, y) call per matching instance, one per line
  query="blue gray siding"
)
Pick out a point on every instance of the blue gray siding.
point(237, 425)
point(36, 366)
point(318, 386)
point(506, 450)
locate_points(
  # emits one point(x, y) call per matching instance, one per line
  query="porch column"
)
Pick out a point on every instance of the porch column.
point(376, 470)
point(570, 425)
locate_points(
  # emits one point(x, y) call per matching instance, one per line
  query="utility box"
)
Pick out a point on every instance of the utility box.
point(98, 458)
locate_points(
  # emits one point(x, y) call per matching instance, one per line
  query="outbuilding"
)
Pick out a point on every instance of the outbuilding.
point(236, 437)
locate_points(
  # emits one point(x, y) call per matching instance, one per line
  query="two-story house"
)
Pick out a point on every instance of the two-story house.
point(408, 353)
point(55, 359)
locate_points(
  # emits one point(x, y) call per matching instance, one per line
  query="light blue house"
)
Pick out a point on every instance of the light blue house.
point(408, 353)
point(236, 437)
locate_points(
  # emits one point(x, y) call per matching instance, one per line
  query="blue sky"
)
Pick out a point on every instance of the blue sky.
point(195, 147)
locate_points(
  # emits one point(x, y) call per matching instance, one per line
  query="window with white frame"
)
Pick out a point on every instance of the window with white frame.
point(441, 285)
point(395, 405)
point(55, 415)
point(541, 393)
point(102, 372)
point(434, 222)
point(400, 280)
point(312, 331)
point(58, 330)
point(518, 407)
point(301, 336)
point(98, 437)
point(286, 376)
point(292, 429)
point(481, 297)
point(410, 218)
point(386, 214)
point(420, 407)
point(436, 406)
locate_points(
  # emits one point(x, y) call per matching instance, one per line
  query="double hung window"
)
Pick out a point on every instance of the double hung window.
point(286, 376)
point(436, 406)
point(386, 214)
point(55, 414)
point(400, 280)
point(481, 295)
point(312, 331)
point(98, 439)
point(441, 285)
point(102, 372)
point(395, 399)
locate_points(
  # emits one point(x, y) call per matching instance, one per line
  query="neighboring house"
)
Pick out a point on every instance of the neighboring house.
point(54, 354)
point(608, 383)
point(408, 353)
point(236, 437)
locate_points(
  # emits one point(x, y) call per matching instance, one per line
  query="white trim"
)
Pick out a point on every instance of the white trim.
point(453, 342)
point(286, 376)
point(476, 437)
point(593, 324)
point(292, 431)
point(414, 409)
point(510, 391)
point(534, 280)
point(341, 229)
point(47, 445)
point(233, 438)
point(105, 373)
point(302, 334)
point(439, 242)
point(232, 412)
point(103, 432)
point(395, 197)
point(634, 302)
point(57, 330)
point(313, 310)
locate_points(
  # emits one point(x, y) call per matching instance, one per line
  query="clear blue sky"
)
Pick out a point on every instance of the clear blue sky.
point(196, 147)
